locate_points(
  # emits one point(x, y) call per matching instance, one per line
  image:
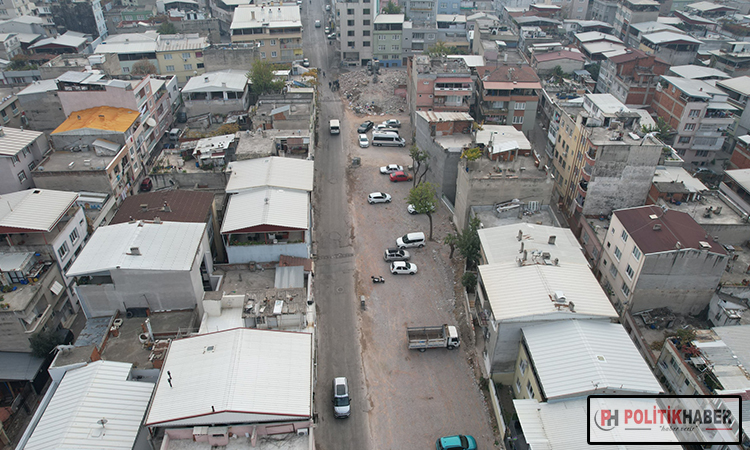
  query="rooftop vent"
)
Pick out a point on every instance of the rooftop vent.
point(144, 206)
point(653, 217)
point(134, 251)
point(551, 240)
point(559, 297)
point(520, 235)
point(657, 226)
point(704, 245)
point(678, 245)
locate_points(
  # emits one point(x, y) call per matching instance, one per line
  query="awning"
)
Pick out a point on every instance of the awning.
point(19, 366)
point(467, 79)
point(717, 105)
point(508, 85)
point(505, 147)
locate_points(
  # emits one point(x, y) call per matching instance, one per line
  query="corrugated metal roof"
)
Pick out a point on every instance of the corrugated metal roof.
point(252, 16)
point(86, 395)
point(289, 277)
point(736, 339)
point(225, 80)
point(739, 84)
point(99, 118)
point(691, 71)
point(563, 426)
point(14, 262)
point(596, 36)
point(667, 37)
point(263, 373)
point(432, 116)
point(34, 209)
point(39, 86)
point(277, 207)
point(392, 18)
point(140, 46)
point(14, 140)
point(501, 244)
point(179, 42)
point(62, 40)
point(287, 173)
point(595, 356)
point(162, 246)
point(19, 366)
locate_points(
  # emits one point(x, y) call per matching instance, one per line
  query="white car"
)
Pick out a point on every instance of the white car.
point(403, 267)
point(317, 24)
point(390, 168)
point(327, 30)
point(378, 197)
point(305, 62)
point(413, 210)
point(363, 141)
point(328, 7)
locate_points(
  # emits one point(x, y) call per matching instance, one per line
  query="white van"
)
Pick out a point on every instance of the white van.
point(335, 126)
point(411, 240)
point(387, 139)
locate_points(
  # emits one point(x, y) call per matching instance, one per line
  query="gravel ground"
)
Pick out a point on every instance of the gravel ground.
point(364, 95)
point(413, 397)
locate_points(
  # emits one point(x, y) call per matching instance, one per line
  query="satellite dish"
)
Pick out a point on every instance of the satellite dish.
point(151, 122)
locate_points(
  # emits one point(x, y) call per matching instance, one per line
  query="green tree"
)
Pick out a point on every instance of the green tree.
point(451, 240)
point(167, 28)
point(143, 67)
point(558, 73)
point(469, 281)
point(43, 343)
point(262, 78)
point(469, 244)
point(424, 198)
point(593, 69)
point(661, 130)
point(472, 154)
point(391, 8)
point(419, 162)
point(439, 49)
point(21, 62)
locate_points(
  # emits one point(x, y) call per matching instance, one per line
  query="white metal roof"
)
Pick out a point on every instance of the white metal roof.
point(500, 135)
point(86, 395)
point(274, 171)
point(736, 339)
point(563, 426)
point(249, 374)
point(128, 43)
point(740, 176)
point(470, 60)
point(692, 72)
point(596, 36)
point(34, 209)
point(694, 88)
point(180, 42)
point(705, 6)
point(14, 140)
point(271, 206)
point(607, 103)
point(653, 26)
point(162, 246)
point(739, 84)
point(224, 80)
point(598, 357)
point(252, 16)
point(602, 47)
point(667, 174)
point(501, 244)
point(39, 86)
point(665, 37)
point(452, 18)
point(64, 40)
point(391, 18)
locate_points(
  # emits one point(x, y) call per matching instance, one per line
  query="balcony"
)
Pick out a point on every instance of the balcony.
point(582, 188)
point(590, 156)
point(580, 201)
point(440, 90)
point(586, 171)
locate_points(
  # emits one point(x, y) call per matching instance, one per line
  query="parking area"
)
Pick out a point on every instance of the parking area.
point(413, 397)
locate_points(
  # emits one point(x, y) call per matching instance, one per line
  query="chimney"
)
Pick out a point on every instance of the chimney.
point(657, 226)
point(135, 251)
point(551, 240)
point(520, 235)
point(144, 207)
point(166, 207)
point(252, 15)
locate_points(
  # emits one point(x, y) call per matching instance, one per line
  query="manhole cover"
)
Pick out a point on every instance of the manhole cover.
point(339, 290)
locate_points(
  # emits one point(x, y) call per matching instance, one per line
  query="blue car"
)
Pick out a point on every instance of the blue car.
point(458, 442)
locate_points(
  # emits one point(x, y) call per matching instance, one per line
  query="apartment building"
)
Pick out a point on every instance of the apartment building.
point(733, 58)
point(507, 95)
point(674, 48)
point(181, 55)
point(602, 10)
point(698, 112)
point(275, 30)
point(630, 12)
point(20, 152)
point(387, 39)
point(86, 18)
point(655, 257)
point(631, 77)
point(10, 45)
point(421, 12)
point(738, 90)
point(10, 9)
point(451, 29)
point(130, 48)
point(439, 84)
point(354, 20)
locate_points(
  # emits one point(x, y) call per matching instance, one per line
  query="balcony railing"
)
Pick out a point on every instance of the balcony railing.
point(449, 90)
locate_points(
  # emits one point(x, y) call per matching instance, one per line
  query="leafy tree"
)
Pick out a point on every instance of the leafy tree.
point(419, 159)
point(593, 69)
point(472, 154)
point(469, 244)
point(43, 343)
point(143, 67)
point(21, 62)
point(661, 130)
point(469, 281)
point(262, 78)
point(439, 49)
point(558, 73)
point(391, 8)
point(167, 28)
point(424, 199)
point(451, 240)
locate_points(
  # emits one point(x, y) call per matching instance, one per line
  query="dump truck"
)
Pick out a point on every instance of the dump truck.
point(422, 338)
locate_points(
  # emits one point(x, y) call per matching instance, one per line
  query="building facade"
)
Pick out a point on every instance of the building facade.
point(631, 77)
point(276, 31)
point(387, 39)
point(355, 22)
point(20, 152)
point(437, 84)
point(507, 95)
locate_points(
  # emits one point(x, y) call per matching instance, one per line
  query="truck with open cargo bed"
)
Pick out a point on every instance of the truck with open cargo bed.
point(422, 338)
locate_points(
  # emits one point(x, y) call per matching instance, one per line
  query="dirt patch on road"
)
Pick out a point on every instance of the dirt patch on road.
point(374, 94)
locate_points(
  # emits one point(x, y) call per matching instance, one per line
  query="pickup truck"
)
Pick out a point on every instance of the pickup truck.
point(422, 338)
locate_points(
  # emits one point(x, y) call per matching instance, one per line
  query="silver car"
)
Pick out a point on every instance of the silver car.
point(378, 197)
point(396, 254)
point(390, 168)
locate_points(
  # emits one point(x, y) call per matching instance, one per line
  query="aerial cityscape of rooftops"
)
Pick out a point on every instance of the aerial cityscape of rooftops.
point(195, 196)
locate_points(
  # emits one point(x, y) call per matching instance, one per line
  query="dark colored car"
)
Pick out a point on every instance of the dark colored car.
point(365, 127)
point(400, 176)
point(146, 184)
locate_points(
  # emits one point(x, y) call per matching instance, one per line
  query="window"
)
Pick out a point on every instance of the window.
point(612, 230)
point(636, 253)
point(350, 23)
point(350, 12)
point(613, 271)
point(618, 253)
point(381, 37)
point(168, 56)
point(262, 55)
point(14, 158)
point(262, 43)
point(694, 113)
point(381, 48)
point(188, 66)
point(199, 65)
point(625, 289)
point(530, 389)
point(365, 43)
point(365, 32)
point(350, 44)
point(366, 11)
point(22, 176)
point(443, 5)
point(684, 140)
point(624, 236)
point(700, 153)
point(273, 54)
point(395, 47)
point(199, 54)
point(630, 272)
point(365, 22)
point(74, 236)
point(518, 386)
point(517, 119)
point(170, 68)
point(523, 366)
point(689, 126)
point(350, 33)
point(273, 42)
point(396, 37)
point(63, 250)
point(32, 164)
point(519, 106)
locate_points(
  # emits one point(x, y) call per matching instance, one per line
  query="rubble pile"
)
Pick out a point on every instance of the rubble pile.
point(367, 96)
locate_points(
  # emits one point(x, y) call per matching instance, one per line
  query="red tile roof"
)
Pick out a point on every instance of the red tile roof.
point(185, 206)
point(520, 73)
point(564, 54)
point(285, 260)
point(676, 227)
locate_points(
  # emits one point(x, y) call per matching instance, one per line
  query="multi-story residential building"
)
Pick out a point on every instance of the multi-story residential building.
point(20, 152)
point(11, 45)
point(740, 158)
point(354, 20)
point(654, 257)
point(421, 12)
point(437, 84)
point(130, 48)
point(738, 90)
point(700, 114)
point(631, 77)
point(638, 30)
point(602, 10)
point(387, 37)
point(275, 30)
point(16, 8)
point(598, 163)
point(12, 114)
point(733, 58)
point(674, 48)
point(217, 92)
point(87, 18)
point(97, 150)
point(181, 55)
point(507, 95)
point(451, 29)
point(634, 11)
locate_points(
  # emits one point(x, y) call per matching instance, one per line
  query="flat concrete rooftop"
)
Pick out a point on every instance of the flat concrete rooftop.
point(59, 161)
point(490, 218)
point(276, 442)
point(698, 210)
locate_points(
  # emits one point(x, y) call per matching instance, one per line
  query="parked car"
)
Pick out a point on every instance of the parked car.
point(328, 7)
point(396, 254)
point(392, 123)
point(458, 442)
point(390, 168)
point(332, 36)
point(365, 126)
point(378, 197)
point(146, 185)
point(410, 208)
point(317, 24)
point(409, 240)
point(384, 128)
point(403, 268)
point(327, 30)
point(341, 403)
point(400, 176)
point(305, 62)
point(363, 141)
